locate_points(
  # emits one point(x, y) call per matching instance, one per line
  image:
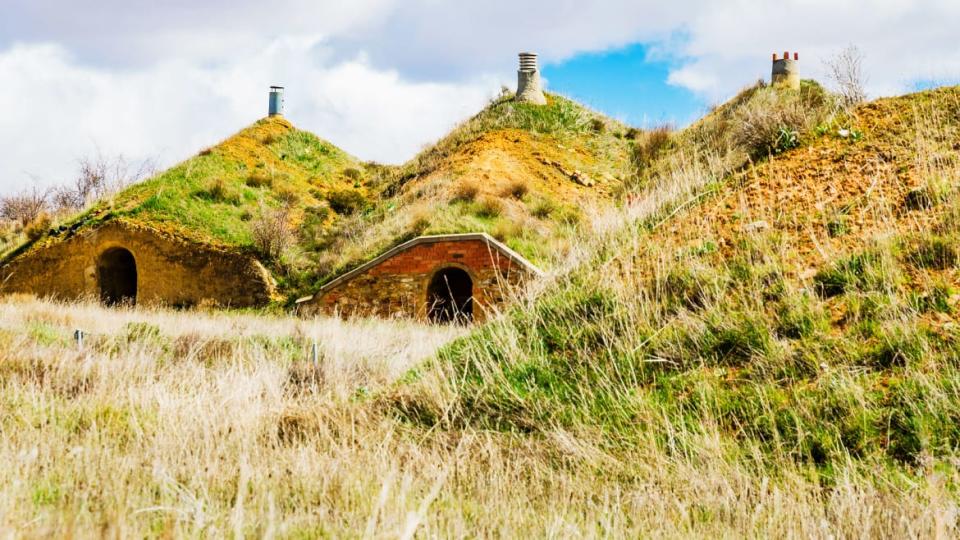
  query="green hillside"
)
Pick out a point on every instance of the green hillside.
point(218, 196)
point(528, 175)
point(696, 327)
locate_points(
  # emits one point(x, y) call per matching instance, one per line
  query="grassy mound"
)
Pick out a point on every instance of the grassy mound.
point(217, 196)
point(841, 363)
point(523, 173)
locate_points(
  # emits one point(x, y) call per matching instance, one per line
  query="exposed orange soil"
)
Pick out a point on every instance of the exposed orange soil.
point(860, 187)
point(563, 169)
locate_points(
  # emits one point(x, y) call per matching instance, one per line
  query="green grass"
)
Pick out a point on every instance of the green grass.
point(211, 196)
point(683, 345)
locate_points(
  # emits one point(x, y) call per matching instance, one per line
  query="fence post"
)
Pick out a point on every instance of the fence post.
point(78, 337)
point(315, 354)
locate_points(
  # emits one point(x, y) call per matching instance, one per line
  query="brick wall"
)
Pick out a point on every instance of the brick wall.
point(397, 287)
point(170, 271)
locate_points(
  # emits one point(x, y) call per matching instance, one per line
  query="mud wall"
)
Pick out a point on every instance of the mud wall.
point(170, 271)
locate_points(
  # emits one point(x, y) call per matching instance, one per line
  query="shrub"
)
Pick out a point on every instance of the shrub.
point(259, 179)
point(419, 224)
point(872, 270)
point(219, 191)
point(934, 252)
point(770, 123)
point(288, 197)
point(845, 70)
point(650, 145)
point(346, 201)
point(272, 232)
point(25, 207)
point(568, 215)
point(38, 227)
point(488, 207)
point(516, 189)
point(801, 317)
point(505, 230)
point(935, 192)
point(543, 208)
point(353, 174)
point(465, 191)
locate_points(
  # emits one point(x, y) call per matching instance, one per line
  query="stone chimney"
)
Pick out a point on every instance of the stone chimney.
point(276, 101)
point(786, 71)
point(529, 88)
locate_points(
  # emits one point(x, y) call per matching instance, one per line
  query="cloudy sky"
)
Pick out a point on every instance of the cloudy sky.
point(382, 78)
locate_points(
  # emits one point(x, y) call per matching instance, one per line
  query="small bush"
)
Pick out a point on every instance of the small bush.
point(38, 227)
point(465, 191)
point(732, 338)
point(24, 208)
point(505, 230)
point(419, 224)
point(598, 126)
point(346, 201)
point(259, 179)
point(288, 196)
point(801, 317)
point(873, 270)
point(690, 287)
point(516, 189)
point(568, 215)
point(353, 174)
point(934, 193)
point(272, 232)
point(268, 139)
point(934, 252)
point(219, 191)
point(488, 207)
point(935, 298)
point(543, 208)
point(771, 122)
point(650, 145)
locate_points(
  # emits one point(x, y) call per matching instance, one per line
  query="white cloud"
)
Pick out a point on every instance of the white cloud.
point(381, 78)
point(904, 41)
point(58, 111)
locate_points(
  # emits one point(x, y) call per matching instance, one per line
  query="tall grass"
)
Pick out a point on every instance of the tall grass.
point(641, 389)
point(190, 424)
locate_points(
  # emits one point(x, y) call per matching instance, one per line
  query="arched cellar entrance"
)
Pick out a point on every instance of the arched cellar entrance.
point(117, 277)
point(450, 296)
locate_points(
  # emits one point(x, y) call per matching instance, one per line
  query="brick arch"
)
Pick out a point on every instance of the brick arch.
point(476, 291)
point(397, 282)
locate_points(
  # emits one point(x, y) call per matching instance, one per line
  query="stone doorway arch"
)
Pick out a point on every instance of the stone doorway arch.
point(117, 277)
point(450, 296)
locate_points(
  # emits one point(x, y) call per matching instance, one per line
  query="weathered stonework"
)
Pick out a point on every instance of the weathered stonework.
point(396, 283)
point(529, 86)
point(786, 71)
point(169, 270)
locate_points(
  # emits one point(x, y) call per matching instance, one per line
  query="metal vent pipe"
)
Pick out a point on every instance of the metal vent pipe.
point(276, 101)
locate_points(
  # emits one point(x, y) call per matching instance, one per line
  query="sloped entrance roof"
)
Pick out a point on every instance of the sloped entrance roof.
point(491, 242)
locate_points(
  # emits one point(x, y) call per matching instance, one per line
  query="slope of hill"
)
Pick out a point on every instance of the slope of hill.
point(523, 173)
point(762, 342)
point(215, 196)
point(796, 316)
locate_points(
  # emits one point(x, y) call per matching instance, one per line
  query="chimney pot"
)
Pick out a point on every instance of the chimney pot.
point(276, 101)
point(529, 89)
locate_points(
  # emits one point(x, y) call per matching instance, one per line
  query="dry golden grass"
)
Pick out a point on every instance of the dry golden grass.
point(172, 424)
